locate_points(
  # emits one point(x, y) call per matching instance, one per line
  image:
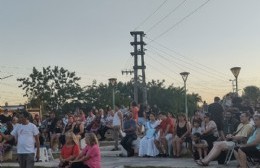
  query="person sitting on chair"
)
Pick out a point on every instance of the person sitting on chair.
point(199, 146)
point(182, 131)
point(90, 156)
point(147, 147)
point(70, 150)
point(165, 134)
point(243, 131)
point(252, 147)
point(130, 130)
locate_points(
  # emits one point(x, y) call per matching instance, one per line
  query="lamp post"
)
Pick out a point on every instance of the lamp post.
point(184, 76)
point(235, 71)
point(112, 82)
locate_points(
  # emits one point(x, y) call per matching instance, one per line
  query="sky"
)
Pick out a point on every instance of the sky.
point(203, 37)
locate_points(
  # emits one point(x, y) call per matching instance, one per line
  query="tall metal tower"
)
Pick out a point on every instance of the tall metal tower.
point(138, 55)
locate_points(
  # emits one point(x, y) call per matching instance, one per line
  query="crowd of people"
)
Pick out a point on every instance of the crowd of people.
point(213, 129)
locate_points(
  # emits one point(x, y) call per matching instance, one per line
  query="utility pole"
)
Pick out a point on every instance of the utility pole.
point(138, 55)
point(127, 72)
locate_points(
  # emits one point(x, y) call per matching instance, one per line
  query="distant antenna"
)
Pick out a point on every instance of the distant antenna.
point(6, 77)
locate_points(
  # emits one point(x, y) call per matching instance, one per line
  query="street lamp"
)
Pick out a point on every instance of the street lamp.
point(235, 71)
point(184, 76)
point(112, 82)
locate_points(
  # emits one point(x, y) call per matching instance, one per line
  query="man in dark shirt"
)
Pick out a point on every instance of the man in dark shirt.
point(5, 117)
point(130, 130)
point(230, 123)
point(216, 111)
point(51, 125)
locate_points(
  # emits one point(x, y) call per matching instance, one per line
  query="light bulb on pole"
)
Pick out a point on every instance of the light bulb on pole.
point(235, 71)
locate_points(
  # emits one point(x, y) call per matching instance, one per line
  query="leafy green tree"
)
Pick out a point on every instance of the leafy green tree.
point(171, 99)
point(193, 100)
point(53, 87)
point(252, 94)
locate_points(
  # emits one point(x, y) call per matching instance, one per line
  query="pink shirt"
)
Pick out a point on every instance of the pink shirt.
point(95, 158)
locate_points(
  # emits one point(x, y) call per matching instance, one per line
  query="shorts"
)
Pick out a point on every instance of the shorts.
point(251, 151)
point(230, 144)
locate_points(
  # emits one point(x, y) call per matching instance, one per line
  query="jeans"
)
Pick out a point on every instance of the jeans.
point(116, 132)
point(26, 160)
point(126, 142)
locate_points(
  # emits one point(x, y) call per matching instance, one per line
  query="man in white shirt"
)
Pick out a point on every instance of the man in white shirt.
point(26, 135)
point(117, 126)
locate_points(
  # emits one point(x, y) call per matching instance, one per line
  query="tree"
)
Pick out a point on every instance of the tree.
point(252, 94)
point(171, 99)
point(193, 100)
point(100, 95)
point(52, 87)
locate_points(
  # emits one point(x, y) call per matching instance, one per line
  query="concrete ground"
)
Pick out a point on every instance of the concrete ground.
point(117, 162)
point(120, 162)
point(111, 159)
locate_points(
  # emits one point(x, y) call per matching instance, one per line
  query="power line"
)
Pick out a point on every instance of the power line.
point(163, 65)
point(217, 73)
point(178, 73)
point(201, 90)
point(6, 77)
point(158, 70)
point(180, 21)
point(150, 15)
point(197, 68)
point(128, 63)
point(157, 23)
point(177, 65)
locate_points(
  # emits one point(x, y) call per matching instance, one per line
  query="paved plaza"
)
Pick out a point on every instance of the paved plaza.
point(111, 159)
point(120, 162)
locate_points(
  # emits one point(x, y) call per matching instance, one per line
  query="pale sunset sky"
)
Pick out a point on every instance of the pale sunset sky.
point(92, 38)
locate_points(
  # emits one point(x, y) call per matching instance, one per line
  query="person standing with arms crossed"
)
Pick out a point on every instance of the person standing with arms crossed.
point(26, 135)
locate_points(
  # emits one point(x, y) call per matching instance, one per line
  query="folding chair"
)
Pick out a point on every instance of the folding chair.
point(229, 154)
point(253, 162)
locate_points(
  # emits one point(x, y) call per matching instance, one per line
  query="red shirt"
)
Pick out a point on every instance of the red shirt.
point(135, 111)
point(164, 124)
point(67, 151)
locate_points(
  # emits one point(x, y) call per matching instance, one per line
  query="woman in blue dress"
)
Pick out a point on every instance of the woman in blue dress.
point(147, 147)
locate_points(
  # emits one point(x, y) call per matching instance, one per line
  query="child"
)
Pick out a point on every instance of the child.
point(196, 127)
point(199, 145)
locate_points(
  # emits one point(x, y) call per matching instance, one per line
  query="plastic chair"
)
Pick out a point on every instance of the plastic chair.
point(45, 155)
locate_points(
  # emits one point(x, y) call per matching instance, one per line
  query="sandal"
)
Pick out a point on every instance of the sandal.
point(200, 163)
